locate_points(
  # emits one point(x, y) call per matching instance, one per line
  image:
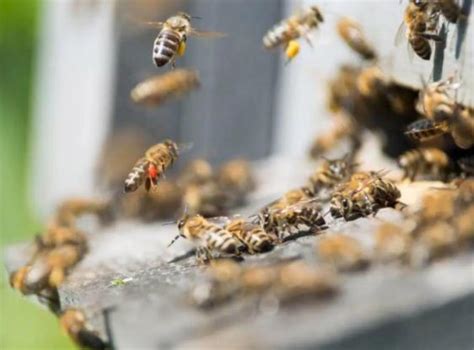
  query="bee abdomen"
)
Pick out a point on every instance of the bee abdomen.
point(165, 47)
point(421, 46)
point(425, 129)
point(276, 36)
point(136, 177)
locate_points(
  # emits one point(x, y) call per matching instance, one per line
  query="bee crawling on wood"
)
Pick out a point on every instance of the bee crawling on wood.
point(287, 32)
point(425, 161)
point(210, 238)
point(160, 88)
point(342, 251)
point(351, 32)
point(74, 323)
point(151, 168)
point(255, 239)
point(392, 242)
point(290, 221)
point(171, 40)
point(364, 194)
point(287, 282)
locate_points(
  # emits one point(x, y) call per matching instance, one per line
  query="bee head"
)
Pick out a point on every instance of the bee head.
point(172, 147)
point(317, 14)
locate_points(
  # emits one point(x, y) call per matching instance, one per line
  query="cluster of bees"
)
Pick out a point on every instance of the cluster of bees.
point(357, 98)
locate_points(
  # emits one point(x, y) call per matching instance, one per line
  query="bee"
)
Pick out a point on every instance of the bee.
point(371, 81)
point(343, 127)
point(304, 216)
point(74, 323)
point(392, 242)
point(160, 88)
point(433, 240)
point(292, 197)
point(289, 30)
point(364, 194)
point(253, 236)
point(57, 235)
point(343, 252)
point(209, 237)
point(435, 100)
point(236, 176)
point(70, 209)
point(286, 282)
point(351, 32)
point(462, 127)
point(196, 172)
point(331, 173)
point(163, 203)
point(171, 40)
point(425, 129)
point(421, 21)
point(208, 200)
point(429, 161)
point(150, 169)
point(464, 224)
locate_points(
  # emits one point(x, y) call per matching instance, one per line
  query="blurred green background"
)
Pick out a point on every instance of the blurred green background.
point(23, 325)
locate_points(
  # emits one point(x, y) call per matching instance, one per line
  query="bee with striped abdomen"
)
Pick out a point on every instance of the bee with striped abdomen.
point(364, 194)
point(74, 324)
point(426, 161)
point(291, 29)
point(253, 236)
point(171, 40)
point(425, 129)
point(158, 89)
point(209, 237)
point(351, 32)
point(420, 20)
point(151, 168)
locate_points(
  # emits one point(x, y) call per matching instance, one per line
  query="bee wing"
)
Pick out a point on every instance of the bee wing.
point(209, 35)
point(400, 33)
point(219, 220)
point(299, 204)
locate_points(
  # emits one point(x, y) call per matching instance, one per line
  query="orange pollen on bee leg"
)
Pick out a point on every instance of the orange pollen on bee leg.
point(152, 171)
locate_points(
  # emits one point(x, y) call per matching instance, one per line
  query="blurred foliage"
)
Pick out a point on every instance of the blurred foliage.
point(23, 325)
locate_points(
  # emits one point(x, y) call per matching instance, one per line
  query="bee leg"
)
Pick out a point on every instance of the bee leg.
point(203, 255)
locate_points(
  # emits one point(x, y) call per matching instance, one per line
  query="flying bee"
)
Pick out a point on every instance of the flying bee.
point(343, 128)
point(158, 89)
point(436, 101)
point(171, 40)
point(74, 323)
point(428, 161)
point(289, 30)
point(196, 172)
point(253, 236)
point(420, 20)
point(351, 32)
point(150, 169)
point(425, 129)
point(343, 252)
point(331, 173)
point(392, 242)
point(364, 194)
point(209, 237)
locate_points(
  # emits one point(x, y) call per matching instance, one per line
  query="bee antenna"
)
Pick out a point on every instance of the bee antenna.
point(174, 240)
